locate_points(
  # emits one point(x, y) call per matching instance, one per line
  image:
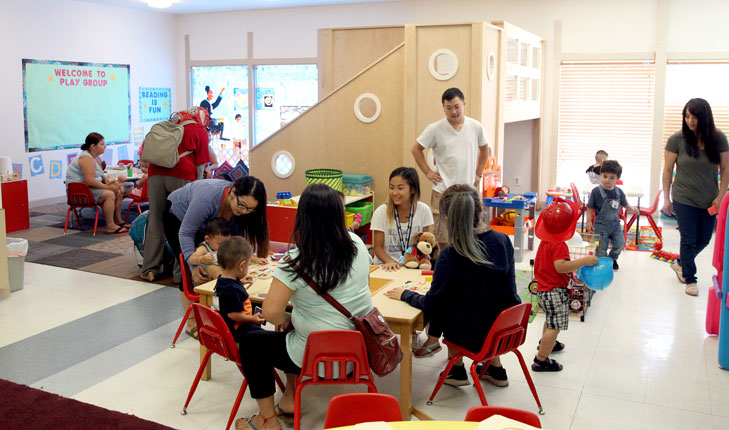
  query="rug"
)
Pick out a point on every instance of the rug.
point(23, 407)
point(646, 239)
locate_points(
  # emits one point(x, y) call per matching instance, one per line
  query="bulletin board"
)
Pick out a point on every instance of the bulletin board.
point(65, 101)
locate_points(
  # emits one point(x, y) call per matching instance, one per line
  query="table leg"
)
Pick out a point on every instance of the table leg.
point(519, 235)
point(205, 300)
point(406, 371)
point(637, 224)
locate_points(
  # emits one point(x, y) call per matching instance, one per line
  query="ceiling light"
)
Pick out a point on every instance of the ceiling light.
point(159, 4)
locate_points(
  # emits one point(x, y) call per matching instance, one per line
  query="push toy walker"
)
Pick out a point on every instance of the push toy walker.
point(580, 294)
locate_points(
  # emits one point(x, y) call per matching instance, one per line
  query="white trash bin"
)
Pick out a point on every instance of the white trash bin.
point(17, 250)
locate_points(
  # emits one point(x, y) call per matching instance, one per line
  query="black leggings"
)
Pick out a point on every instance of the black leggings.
point(259, 351)
point(172, 233)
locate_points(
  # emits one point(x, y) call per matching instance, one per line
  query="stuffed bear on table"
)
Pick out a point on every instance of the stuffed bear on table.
point(423, 251)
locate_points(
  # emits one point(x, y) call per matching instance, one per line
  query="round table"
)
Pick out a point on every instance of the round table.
point(420, 425)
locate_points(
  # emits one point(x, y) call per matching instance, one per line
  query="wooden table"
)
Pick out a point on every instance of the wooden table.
point(494, 422)
point(401, 317)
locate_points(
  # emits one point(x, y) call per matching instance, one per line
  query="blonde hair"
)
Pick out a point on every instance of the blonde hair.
point(462, 208)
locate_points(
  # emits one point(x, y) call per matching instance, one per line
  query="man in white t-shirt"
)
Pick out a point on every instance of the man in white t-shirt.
point(460, 151)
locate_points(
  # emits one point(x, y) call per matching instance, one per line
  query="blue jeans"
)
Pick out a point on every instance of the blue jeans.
point(610, 234)
point(695, 226)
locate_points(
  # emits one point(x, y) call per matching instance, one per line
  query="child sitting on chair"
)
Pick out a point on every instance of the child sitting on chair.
point(206, 255)
point(555, 225)
point(231, 298)
point(593, 172)
point(605, 201)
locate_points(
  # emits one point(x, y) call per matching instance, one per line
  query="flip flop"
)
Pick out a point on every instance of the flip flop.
point(286, 417)
point(120, 229)
point(427, 350)
point(192, 332)
point(240, 422)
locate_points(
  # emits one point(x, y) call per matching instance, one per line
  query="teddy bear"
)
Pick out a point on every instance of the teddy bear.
point(422, 252)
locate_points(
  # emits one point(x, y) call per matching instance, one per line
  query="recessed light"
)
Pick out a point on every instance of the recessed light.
point(159, 4)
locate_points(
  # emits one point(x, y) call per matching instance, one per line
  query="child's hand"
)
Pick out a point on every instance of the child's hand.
point(590, 260)
point(206, 259)
point(395, 293)
point(247, 281)
point(590, 227)
point(259, 260)
point(391, 266)
point(355, 225)
point(257, 319)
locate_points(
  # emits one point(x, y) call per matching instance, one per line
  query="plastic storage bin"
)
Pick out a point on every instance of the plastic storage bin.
point(357, 185)
point(362, 208)
point(17, 249)
point(330, 177)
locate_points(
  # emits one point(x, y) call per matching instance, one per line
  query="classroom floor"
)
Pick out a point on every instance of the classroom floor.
point(641, 359)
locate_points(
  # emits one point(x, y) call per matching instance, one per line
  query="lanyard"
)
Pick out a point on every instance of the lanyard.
point(404, 243)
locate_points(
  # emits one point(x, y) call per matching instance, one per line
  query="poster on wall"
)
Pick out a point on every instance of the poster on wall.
point(18, 170)
point(264, 98)
point(64, 101)
point(240, 98)
point(54, 169)
point(35, 163)
point(71, 156)
point(154, 104)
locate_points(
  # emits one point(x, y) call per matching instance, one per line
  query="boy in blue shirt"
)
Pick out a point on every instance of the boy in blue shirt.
point(231, 298)
point(605, 202)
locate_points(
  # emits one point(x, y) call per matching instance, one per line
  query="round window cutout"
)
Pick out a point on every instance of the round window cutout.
point(367, 107)
point(491, 66)
point(282, 164)
point(443, 64)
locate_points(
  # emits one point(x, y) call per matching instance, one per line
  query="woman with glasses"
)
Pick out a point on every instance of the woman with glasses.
point(188, 210)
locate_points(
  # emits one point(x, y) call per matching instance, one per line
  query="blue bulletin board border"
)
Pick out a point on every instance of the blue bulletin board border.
point(72, 63)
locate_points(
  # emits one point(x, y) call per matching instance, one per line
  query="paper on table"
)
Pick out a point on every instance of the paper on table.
point(375, 425)
point(499, 422)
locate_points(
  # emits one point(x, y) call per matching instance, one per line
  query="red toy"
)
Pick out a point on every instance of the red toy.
point(658, 254)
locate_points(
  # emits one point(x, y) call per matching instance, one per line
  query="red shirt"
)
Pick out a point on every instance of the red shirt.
point(195, 139)
point(547, 276)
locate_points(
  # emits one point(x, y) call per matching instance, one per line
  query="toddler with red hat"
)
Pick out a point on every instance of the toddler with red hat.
point(552, 266)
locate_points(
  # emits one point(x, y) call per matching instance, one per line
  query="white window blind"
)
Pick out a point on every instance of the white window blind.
point(686, 80)
point(608, 106)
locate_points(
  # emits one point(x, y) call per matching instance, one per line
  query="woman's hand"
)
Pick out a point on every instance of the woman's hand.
point(391, 266)
point(259, 260)
point(717, 201)
point(668, 207)
point(199, 275)
point(206, 259)
point(395, 293)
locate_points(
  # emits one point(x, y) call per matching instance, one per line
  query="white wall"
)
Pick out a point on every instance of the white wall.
point(588, 27)
point(519, 148)
point(76, 31)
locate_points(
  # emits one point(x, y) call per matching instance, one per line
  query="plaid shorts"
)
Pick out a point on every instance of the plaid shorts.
point(556, 307)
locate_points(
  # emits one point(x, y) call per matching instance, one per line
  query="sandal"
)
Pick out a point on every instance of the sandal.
point(558, 346)
point(286, 417)
point(120, 229)
point(427, 350)
point(547, 365)
point(192, 332)
point(248, 422)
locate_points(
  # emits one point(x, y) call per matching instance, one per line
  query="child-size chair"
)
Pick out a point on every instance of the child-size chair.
point(480, 413)
point(189, 291)
point(79, 196)
point(506, 335)
point(324, 350)
point(648, 213)
point(354, 408)
point(138, 200)
point(214, 335)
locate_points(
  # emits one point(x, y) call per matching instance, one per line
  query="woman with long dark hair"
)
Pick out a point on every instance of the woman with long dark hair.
point(698, 151)
point(338, 262)
point(473, 281)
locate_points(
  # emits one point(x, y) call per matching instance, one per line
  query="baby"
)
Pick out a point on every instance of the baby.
point(206, 254)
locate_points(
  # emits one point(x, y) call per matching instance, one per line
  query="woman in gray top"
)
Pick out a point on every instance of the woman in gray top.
point(698, 151)
point(107, 193)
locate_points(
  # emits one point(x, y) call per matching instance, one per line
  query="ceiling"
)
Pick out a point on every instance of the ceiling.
point(202, 6)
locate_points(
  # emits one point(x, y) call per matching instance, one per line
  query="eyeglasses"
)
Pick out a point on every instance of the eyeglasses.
point(243, 206)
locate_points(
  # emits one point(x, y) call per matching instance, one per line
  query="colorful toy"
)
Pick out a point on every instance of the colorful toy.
point(423, 249)
point(660, 255)
point(599, 276)
point(420, 287)
point(509, 216)
point(713, 308)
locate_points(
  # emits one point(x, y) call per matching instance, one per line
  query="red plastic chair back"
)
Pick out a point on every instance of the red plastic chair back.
point(144, 197)
point(576, 196)
point(187, 285)
point(79, 195)
point(652, 209)
point(350, 409)
point(480, 413)
point(507, 333)
point(124, 162)
point(214, 334)
point(335, 346)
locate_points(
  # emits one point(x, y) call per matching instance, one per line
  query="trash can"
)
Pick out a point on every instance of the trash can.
point(17, 249)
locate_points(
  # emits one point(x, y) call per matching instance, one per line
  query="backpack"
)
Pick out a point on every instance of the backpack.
point(137, 232)
point(161, 143)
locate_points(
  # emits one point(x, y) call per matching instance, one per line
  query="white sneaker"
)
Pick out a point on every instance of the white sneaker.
point(679, 272)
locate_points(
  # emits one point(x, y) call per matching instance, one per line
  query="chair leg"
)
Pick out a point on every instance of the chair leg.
point(297, 405)
point(196, 381)
point(656, 230)
point(628, 225)
point(236, 405)
point(477, 380)
point(78, 217)
point(68, 214)
point(529, 380)
point(96, 220)
point(129, 209)
point(443, 377)
point(182, 324)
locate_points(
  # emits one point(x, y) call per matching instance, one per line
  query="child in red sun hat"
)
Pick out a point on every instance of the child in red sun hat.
point(555, 225)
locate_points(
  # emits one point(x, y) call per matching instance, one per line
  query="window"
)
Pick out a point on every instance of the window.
point(283, 92)
point(606, 106)
point(687, 80)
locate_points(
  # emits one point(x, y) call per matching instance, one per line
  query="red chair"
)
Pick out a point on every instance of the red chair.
point(648, 213)
point(506, 335)
point(350, 409)
point(143, 198)
point(79, 196)
point(216, 337)
point(328, 348)
point(189, 291)
point(576, 198)
point(480, 413)
point(124, 162)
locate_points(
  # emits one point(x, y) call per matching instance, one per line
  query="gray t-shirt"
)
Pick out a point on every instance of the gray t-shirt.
point(696, 181)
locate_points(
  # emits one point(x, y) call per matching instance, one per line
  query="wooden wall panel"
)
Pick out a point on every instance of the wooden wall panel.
point(490, 90)
point(329, 135)
point(345, 52)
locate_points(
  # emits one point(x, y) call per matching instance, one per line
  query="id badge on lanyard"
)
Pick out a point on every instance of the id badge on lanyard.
point(614, 204)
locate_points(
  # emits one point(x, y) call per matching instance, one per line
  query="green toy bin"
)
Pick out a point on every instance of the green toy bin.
point(362, 208)
point(330, 177)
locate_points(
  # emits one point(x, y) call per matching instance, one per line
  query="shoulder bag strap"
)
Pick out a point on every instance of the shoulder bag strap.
point(326, 296)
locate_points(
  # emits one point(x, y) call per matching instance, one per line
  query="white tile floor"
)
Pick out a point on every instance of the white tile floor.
point(641, 359)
